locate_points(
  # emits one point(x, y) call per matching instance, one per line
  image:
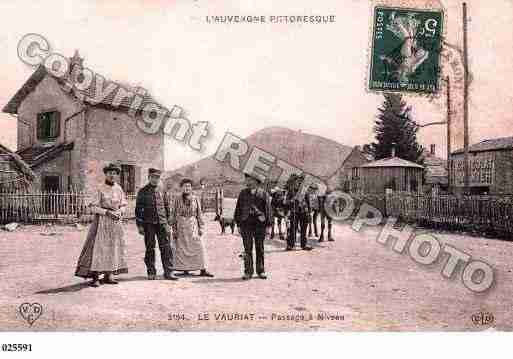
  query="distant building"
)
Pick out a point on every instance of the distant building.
point(67, 141)
point(435, 174)
point(343, 177)
point(490, 167)
point(392, 172)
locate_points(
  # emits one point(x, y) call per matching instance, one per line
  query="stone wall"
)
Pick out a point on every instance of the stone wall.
point(502, 171)
point(113, 136)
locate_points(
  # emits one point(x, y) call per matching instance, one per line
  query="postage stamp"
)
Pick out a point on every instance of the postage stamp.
point(405, 53)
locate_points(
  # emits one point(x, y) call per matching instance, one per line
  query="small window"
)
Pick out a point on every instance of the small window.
point(48, 125)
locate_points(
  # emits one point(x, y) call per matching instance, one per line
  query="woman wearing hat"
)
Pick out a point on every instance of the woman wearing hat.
point(188, 227)
point(104, 251)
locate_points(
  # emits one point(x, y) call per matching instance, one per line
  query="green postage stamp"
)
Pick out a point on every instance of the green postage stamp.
point(406, 46)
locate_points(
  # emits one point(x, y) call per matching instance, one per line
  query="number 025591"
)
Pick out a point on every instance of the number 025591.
point(16, 347)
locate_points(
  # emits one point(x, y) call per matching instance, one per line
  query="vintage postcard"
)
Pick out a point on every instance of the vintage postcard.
point(264, 166)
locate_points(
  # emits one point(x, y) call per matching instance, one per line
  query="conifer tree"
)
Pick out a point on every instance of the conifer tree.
point(395, 127)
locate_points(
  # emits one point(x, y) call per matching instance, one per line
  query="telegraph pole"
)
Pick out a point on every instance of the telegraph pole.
point(465, 101)
point(449, 164)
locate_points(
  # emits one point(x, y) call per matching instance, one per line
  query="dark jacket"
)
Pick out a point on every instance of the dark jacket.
point(152, 206)
point(299, 205)
point(249, 206)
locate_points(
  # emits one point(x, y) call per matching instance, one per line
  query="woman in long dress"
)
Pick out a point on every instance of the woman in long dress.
point(188, 227)
point(104, 251)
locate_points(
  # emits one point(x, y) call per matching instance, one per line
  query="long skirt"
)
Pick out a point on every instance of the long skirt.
point(189, 249)
point(104, 249)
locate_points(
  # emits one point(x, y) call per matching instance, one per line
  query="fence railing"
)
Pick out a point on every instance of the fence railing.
point(493, 214)
point(36, 206)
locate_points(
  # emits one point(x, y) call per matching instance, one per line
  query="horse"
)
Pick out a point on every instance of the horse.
point(325, 217)
point(279, 210)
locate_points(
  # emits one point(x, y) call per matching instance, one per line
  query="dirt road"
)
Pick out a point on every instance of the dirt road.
point(353, 283)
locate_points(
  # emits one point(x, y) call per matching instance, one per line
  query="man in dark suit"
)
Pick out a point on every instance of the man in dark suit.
point(152, 218)
point(299, 213)
point(253, 217)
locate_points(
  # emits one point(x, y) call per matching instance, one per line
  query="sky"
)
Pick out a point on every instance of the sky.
point(244, 77)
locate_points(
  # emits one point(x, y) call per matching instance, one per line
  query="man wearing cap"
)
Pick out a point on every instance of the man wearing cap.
point(253, 217)
point(299, 213)
point(152, 218)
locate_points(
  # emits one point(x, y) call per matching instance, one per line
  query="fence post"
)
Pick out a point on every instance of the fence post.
point(388, 199)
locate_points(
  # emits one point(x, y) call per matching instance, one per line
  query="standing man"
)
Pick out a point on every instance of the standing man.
point(152, 218)
point(253, 217)
point(325, 217)
point(299, 213)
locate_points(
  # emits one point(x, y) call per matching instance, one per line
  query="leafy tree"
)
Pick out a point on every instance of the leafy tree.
point(395, 127)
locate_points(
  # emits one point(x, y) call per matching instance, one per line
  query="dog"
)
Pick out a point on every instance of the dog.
point(225, 222)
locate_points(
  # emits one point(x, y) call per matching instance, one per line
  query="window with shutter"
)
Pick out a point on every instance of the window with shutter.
point(48, 125)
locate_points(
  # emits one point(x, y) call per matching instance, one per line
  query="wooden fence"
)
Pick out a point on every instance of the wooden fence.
point(374, 200)
point(72, 206)
point(37, 206)
point(484, 214)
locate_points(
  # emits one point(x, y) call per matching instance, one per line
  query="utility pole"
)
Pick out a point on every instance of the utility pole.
point(449, 164)
point(465, 101)
point(448, 123)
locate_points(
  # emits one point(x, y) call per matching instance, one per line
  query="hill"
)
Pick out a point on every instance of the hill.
point(313, 154)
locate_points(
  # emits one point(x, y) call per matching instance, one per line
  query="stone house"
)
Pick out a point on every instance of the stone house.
point(490, 167)
point(343, 178)
point(67, 141)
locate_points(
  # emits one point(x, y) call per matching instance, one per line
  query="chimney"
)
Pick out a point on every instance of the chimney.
point(432, 149)
point(392, 152)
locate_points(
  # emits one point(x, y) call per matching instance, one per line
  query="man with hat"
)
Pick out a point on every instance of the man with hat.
point(299, 212)
point(152, 214)
point(253, 217)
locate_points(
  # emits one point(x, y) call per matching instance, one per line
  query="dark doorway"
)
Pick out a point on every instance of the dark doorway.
point(127, 178)
point(50, 184)
point(480, 190)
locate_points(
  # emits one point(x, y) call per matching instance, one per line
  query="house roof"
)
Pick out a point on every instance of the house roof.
point(35, 156)
point(4, 149)
point(28, 86)
point(107, 102)
point(13, 169)
point(494, 144)
point(391, 162)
